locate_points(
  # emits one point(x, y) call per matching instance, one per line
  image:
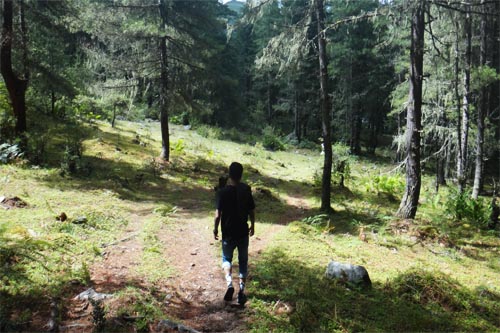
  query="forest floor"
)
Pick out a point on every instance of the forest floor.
point(147, 241)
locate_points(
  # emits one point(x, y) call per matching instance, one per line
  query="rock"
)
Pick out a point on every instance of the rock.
point(80, 220)
point(14, 202)
point(348, 273)
point(91, 294)
point(168, 326)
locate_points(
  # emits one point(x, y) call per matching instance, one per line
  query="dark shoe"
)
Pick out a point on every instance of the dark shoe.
point(242, 298)
point(229, 294)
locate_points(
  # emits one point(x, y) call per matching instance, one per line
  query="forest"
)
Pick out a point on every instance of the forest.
point(368, 131)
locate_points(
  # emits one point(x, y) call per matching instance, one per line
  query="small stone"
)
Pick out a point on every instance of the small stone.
point(80, 220)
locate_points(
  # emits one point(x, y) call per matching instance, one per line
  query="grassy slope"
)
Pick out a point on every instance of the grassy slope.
point(418, 286)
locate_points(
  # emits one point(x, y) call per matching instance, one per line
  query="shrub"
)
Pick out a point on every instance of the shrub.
point(209, 132)
point(463, 208)
point(37, 148)
point(391, 186)
point(178, 146)
point(9, 152)
point(341, 167)
point(234, 134)
point(180, 119)
point(306, 144)
point(72, 158)
point(270, 140)
point(7, 120)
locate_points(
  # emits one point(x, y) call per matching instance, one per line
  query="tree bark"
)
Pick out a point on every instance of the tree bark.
point(481, 114)
point(165, 138)
point(297, 113)
point(458, 102)
point(409, 203)
point(16, 86)
point(269, 99)
point(464, 133)
point(356, 132)
point(325, 106)
point(440, 146)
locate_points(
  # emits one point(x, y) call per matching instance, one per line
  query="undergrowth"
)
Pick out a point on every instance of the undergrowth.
point(291, 295)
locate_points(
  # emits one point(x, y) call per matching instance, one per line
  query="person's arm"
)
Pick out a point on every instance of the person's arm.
point(216, 224)
point(252, 222)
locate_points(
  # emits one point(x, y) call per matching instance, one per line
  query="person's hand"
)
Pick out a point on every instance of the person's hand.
point(216, 235)
point(252, 231)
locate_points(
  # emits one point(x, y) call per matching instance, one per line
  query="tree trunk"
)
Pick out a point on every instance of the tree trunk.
point(165, 139)
point(297, 112)
point(409, 203)
point(325, 108)
point(458, 102)
point(269, 99)
point(113, 119)
point(440, 146)
point(464, 135)
point(356, 132)
point(481, 114)
point(16, 86)
point(52, 102)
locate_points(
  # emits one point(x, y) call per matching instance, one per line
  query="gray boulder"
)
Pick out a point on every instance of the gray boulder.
point(348, 273)
point(169, 326)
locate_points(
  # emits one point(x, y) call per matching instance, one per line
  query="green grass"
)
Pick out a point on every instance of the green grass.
point(153, 265)
point(418, 285)
point(407, 294)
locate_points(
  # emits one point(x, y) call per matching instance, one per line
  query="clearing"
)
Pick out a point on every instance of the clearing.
point(148, 241)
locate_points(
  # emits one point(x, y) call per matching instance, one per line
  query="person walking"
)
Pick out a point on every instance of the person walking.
point(234, 206)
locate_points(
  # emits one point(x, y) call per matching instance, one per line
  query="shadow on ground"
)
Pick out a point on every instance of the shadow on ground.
point(288, 295)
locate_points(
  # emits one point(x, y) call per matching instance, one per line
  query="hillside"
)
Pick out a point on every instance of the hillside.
point(139, 230)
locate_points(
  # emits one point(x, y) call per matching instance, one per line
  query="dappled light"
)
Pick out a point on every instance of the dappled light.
point(249, 166)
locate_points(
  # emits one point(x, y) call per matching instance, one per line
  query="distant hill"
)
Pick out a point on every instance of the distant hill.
point(236, 6)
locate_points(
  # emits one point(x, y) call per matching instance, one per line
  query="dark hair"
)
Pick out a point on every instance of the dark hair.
point(235, 171)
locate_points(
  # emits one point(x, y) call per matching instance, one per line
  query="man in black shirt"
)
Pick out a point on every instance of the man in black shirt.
point(234, 206)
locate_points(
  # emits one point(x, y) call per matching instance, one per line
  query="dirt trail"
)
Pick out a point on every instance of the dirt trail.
point(195, 292)
point(200, 283)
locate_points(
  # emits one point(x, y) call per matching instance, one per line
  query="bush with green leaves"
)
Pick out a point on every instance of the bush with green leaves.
point(462, 207)
point(72, 158)
point(209, 132)
point(9, 152)
point(178, 146)
point(7, 120)
point(234, 134)
point(37, 147)
point(180, 119)
point(390, 185)
point(271, 140)
point(341, 167)
point(306, 144)
point(88, 108)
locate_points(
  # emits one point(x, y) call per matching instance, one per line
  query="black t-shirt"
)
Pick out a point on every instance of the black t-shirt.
point(235, 203)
